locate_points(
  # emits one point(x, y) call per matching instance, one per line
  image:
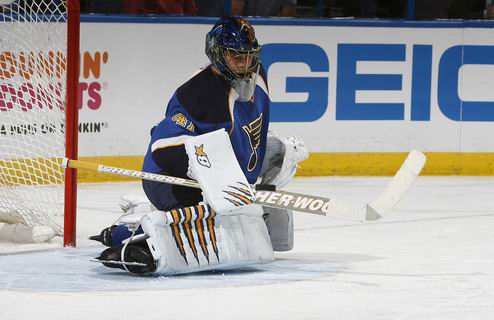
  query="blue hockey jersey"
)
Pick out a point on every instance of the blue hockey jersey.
point(203, 104)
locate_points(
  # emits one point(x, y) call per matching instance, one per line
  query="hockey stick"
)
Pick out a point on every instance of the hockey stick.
point(339, 209)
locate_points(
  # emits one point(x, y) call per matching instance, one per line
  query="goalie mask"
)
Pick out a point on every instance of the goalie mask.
point(233, 50)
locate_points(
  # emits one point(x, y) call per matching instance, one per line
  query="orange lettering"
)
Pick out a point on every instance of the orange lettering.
point(92, 65)
point(43, 64)
point(26, 65)
point(7, 65)
point(61, 65)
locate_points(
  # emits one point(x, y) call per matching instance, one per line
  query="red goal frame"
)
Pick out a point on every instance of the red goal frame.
point(72, 120)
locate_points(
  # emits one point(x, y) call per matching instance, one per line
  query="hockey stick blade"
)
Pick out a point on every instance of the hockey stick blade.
point(349, 210)
point(398, 186)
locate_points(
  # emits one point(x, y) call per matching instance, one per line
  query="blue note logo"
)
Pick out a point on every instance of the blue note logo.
point(253, 131)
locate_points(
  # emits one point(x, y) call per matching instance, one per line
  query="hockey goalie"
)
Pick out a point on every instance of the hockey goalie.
point(215, 131)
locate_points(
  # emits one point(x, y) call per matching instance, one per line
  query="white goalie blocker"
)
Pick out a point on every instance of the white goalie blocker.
point(226, 231)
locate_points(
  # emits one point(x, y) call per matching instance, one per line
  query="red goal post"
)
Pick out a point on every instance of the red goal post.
point(39, 69)
point(72, 120)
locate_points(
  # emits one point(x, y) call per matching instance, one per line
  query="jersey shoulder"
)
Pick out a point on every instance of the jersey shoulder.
point(205, 97)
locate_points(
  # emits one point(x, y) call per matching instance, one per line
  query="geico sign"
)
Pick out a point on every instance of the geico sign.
point(349, 81)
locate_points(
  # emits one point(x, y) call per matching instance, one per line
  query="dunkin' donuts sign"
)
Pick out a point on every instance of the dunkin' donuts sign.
point(37, 80)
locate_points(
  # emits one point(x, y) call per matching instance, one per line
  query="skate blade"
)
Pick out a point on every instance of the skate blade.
point(120, 263)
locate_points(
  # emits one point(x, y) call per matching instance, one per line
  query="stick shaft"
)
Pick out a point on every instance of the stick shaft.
point(275, 199)
point(77, 164)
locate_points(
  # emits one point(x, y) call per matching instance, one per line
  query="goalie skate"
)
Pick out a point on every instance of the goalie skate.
point(135, 258)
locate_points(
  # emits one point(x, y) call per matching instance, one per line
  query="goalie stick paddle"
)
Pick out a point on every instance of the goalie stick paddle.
point(340, 209)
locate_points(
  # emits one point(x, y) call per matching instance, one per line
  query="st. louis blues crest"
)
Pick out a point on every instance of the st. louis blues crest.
point(253, 131)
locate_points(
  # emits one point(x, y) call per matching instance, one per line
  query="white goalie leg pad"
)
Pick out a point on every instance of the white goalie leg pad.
point(21, 233)
point(280, 228)
point(195, 239)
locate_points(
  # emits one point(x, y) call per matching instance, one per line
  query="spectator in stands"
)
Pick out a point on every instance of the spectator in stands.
point(211, 8)
point(188, 7)
point(391, 9)
point(353, 8)
point(471, 9)
point(388, 9)
point(264, 8)
point(429, 10)
point(101, 6)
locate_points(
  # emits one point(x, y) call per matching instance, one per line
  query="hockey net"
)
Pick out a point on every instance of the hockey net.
point(33, 72)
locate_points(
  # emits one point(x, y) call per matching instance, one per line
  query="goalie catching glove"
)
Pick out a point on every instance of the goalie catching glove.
point(282, 158)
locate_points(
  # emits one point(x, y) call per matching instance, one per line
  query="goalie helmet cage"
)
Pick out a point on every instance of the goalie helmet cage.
point(39, 69)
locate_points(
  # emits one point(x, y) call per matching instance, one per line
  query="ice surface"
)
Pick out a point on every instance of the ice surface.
point(432, 258)
point(70, 270)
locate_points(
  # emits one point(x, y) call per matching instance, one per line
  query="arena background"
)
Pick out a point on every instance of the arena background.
point(360, 93)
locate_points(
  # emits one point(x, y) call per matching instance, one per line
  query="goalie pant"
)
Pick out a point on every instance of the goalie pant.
point(279, 223)
point(196, 238)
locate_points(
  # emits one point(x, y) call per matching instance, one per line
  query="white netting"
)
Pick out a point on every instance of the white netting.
point(33, 45)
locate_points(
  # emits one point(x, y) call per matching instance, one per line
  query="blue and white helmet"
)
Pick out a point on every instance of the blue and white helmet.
point(236, 36)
